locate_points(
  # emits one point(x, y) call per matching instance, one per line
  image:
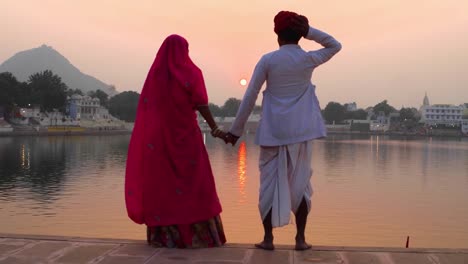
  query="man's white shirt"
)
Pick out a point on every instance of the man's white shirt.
point(290, 108)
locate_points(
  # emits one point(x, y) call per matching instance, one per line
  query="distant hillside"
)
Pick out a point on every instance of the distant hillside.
point(28, 62)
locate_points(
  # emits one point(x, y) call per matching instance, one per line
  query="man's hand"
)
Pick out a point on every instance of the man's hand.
point(230, 138)
point(301, 25)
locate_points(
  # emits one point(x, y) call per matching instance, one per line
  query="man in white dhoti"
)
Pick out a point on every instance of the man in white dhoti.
point(290, 120)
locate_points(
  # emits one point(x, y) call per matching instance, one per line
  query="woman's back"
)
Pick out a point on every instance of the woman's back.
point(169, 185)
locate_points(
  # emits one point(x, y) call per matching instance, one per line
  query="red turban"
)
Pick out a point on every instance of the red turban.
point(288, 20)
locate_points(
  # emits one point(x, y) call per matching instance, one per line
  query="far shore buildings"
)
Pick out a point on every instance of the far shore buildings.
point(83, 111)
point(465, 126)
point(441, 114)
point(453, 117)
point(84, 107)
point(444, 115)
point(432, 116)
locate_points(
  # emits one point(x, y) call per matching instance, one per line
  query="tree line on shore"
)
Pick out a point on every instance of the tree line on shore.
point(336, 113)
point(46, 90)
point(333, 113)
point(43, 89)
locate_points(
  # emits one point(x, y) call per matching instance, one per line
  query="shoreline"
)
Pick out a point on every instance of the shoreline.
point(65, 133)
point(397, 134)
point(129, 132)
point(93, 131)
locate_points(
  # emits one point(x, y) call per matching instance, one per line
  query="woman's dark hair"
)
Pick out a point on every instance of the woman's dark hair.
point(289, 35)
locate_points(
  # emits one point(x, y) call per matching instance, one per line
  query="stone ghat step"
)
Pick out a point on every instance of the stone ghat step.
point(46, 249)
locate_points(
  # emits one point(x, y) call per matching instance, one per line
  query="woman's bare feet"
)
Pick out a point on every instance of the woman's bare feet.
point(266, 245)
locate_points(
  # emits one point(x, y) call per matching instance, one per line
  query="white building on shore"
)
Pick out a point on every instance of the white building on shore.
point(33, 116)
point(81, 111)
point(84, 107)
point(22, 116)
point(380, 124)
point(441, 114)
point(464, 127)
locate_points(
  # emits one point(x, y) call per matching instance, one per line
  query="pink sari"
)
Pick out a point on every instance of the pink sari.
point(168, 177)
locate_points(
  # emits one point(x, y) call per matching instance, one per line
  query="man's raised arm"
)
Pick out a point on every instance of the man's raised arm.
point(330, 44)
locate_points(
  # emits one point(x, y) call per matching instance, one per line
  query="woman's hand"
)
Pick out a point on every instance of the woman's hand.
point(218, 133)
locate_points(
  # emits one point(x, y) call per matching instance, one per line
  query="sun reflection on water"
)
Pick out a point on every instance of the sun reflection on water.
point(241, 171)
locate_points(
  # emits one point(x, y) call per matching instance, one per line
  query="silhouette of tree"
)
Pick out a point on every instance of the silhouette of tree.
point(102, 96)
point(383, 107)
point(231, 106)
point(334, 112)
point(124, 105)
point(8, 90)
point(215, 109)
point(359, 114)
point(409, 113)
point(48, 91)
point(71, 92)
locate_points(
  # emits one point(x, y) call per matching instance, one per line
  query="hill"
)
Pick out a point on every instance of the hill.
point(28, 62)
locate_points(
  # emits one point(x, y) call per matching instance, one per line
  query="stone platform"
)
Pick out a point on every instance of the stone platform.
point(18, 249)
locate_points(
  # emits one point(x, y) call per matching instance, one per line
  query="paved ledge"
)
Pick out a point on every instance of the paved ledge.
point(20, 249)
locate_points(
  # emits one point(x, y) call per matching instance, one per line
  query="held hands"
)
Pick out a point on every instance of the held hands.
point(230, 138)
point(218, 133)
point(226, 137)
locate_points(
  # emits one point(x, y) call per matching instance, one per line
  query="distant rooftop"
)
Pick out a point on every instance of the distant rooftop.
point(443, 105)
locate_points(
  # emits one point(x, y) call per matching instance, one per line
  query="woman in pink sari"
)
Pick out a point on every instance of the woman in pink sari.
point(169, 185)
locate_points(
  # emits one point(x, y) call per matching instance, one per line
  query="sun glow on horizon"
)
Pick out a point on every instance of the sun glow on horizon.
point(243, 82)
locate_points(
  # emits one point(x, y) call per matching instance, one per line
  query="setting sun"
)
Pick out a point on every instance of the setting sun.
point(243, 82)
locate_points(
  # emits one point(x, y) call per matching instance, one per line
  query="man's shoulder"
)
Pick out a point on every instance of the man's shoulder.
point(280, 53)
point(267, 56)
point(270, 54)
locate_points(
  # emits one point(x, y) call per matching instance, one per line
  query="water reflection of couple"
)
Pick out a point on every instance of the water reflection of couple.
point(169, 184)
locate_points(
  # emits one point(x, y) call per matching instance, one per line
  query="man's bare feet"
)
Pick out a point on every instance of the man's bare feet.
point(302, 245)
point(266, 245)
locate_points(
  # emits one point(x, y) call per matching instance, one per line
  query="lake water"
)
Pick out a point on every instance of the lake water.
point(369, 190)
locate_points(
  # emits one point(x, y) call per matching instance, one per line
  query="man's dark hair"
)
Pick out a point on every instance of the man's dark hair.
point(289, 35)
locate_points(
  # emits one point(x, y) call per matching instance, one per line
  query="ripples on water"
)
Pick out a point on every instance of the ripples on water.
point(368, 190)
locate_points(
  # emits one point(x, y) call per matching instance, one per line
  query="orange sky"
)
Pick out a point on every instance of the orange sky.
point(392, 49)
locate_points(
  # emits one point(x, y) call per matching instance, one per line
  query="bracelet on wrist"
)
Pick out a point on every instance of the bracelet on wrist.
point(215, 131)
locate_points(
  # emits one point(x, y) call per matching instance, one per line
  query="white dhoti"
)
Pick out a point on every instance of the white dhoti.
point(285, 173)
